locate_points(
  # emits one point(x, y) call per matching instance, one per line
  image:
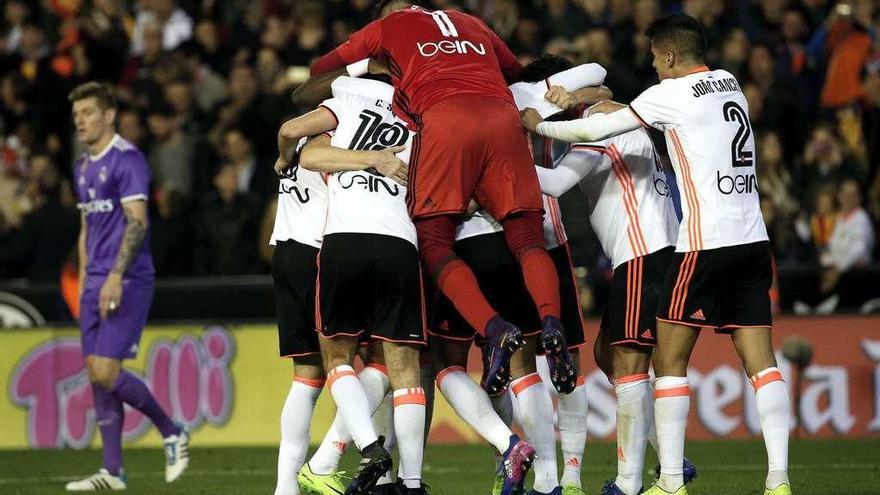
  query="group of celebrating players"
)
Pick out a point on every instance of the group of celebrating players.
point(418, 217)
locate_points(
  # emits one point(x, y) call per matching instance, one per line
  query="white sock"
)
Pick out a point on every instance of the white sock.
point(635, 411)
point(296, 415)
point(352, 404)
point(409, 426)
point(671, 405)
point(544, 370)
point(536, 409)
point(383, 421)
point(572, 414)
point(774, 409)
point(325, 460)
point(472, 404)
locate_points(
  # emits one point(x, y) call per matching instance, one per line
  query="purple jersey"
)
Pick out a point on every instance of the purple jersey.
point(103, 182)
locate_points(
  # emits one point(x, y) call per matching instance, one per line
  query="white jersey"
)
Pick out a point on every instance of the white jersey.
point(364, 201)
point(631, 209)
point(480, 224)
point(302, 207)
point(705, 118)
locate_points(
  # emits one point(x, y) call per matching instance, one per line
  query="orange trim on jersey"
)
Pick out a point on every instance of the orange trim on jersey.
point(336, 375)
point(632, 378)
point(630, 202)
point(760, 381)
point(682, 391)
point(679, 293)
point(637, 310)
point(581, 380)
point(692, 266)
point(311, 382)
point(381, 368)
point(410, 396)
point(451, 369)
point(518, 386)
point(695, 229)
point(589, 147)
point(702, 68)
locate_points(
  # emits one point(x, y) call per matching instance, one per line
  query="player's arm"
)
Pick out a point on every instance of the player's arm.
point(319, 156)
point(570, 170)
point(313, 123)
point(589, 95)
point(593, 128)
point(319, 87)
point(81, 252)
point(136, 222)
point(360, 45)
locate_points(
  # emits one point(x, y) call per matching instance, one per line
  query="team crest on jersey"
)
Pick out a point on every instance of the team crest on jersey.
point(102, 174)
point(91, 193)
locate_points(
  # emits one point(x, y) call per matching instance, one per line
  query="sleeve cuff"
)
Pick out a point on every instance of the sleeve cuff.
point(359, 68)
point(133, 197)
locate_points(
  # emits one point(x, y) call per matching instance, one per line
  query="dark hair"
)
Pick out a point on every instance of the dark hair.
point(381, 4)
point(96, 90)
point(684, 32)
point(545, 66)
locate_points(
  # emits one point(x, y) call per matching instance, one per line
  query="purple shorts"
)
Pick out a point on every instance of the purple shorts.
point(119, 335)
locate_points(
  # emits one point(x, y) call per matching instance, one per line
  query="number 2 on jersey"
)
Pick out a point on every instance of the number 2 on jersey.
point(740, 157)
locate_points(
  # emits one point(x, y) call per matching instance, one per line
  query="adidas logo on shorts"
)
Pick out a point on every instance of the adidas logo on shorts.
point(698, 315)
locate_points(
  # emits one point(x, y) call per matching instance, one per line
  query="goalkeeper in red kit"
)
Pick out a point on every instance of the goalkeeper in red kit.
point(450, 74)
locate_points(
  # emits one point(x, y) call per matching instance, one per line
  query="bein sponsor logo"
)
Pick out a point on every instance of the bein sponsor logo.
point(189, 377)
point(450, 47)
point(739, 183)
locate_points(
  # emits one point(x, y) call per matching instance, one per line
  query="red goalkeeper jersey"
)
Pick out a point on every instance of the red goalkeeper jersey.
point(432, 55)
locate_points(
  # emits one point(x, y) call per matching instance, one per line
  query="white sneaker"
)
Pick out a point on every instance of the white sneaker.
point(176, 455)
point(102, 480)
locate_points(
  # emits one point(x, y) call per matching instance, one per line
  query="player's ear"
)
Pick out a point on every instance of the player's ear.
point(110, 116)
point(671, 58)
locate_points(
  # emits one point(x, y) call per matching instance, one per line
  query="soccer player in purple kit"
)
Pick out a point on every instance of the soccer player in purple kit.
point(116, 283)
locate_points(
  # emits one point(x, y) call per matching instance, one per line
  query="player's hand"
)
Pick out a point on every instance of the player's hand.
point(377, 67)
point(387, 164)
point(110, 295)
point(281, 165)
point(530, 118)
point(560, 97)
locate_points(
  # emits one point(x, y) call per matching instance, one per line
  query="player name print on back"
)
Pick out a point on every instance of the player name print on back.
point(365, 201)
point(719, 191)
point(302, 205)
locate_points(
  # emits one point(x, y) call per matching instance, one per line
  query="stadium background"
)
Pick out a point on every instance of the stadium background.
point(203, 86)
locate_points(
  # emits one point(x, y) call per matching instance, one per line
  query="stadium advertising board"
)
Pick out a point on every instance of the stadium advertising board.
point(228, 385)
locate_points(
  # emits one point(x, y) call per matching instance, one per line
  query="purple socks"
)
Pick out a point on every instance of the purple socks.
point(108, 412)
point(135, 393)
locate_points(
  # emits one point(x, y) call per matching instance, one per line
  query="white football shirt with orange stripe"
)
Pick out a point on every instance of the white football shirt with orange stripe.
point(705, 118)
point(631, 209)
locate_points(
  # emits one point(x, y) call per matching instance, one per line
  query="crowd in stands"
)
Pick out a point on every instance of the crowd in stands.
point(203, 85)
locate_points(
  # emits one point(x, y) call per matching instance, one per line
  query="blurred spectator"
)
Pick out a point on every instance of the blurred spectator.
point(845, 42)
point(131, 127)
point(227, 228)
point(171, 236)
point(48, 231)
point(781, 101)
point(823, 220)
point(851, 246)
point(102, 27)
point(775, 183)
point(171, 153)
point(824, 162)
point(253, 177)
point(175, 23)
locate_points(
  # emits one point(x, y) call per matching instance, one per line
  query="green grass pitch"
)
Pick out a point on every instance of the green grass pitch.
point(818, 467)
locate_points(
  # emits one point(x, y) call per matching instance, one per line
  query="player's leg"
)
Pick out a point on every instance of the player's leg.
point(635, 414)
point(675, 344)
point(536, 410)
point(409, 411)
point(771, 398)
point(508, 188)
point(293, 275)
point(571, 411)
point(446, 164)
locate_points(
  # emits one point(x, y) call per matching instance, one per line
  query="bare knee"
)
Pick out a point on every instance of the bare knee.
point(523, 362)
point(626, 361)
point(600, 354)
point(308, 367)
point(403, 365)
point(755, 349)
point(103, 371)
point(446, 353)
point(338, 351)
